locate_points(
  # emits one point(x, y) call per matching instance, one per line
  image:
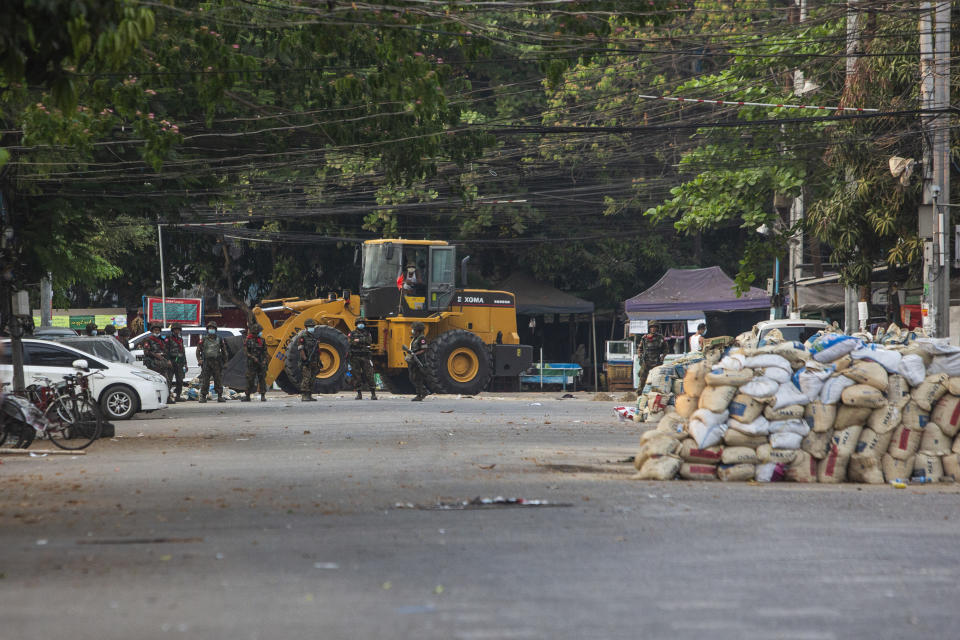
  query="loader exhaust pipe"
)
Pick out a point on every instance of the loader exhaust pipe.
point(463, 271)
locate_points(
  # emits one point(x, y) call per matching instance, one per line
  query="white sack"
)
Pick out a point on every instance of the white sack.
point(758, 427)
point(764, 360)
point(887, 358)
point(707, 435)
point(786, 440)
point(799, 427)
point(913, 369)
point(831, 346)
point(765, 471)
point(833, 388)
point(776, 374)
point(810, 380)
point(760, 387)
point(788, 394)
point(732, 361)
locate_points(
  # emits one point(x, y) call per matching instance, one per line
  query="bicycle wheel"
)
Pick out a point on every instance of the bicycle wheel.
point(73, 423)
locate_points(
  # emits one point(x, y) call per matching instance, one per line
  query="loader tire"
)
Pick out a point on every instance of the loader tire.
point(458, 362)
point(398, 383)
point(286, 385)
point(334, 350)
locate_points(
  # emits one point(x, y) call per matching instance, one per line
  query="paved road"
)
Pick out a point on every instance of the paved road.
point(280, 521)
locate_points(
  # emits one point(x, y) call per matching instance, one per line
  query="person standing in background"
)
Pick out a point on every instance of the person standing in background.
point(136, 325)
point(696, 340)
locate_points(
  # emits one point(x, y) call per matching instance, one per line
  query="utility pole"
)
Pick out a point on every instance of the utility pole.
point(934, 27)
point(46, 301)
point(850, 294)
point(797, 210)
point(941, 168)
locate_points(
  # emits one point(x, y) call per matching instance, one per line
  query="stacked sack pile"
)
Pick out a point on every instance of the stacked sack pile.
point(832, 410)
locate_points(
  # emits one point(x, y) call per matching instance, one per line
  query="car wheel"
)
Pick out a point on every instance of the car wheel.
point(119, 402)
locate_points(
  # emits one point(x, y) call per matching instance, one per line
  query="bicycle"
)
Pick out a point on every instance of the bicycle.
point(73, 417)
point(64, 412)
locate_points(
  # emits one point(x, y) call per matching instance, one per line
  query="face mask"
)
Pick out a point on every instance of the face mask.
point(259, 333)
point(361, 326)
point(94, 332)
point(156, 333)
point(212, 332)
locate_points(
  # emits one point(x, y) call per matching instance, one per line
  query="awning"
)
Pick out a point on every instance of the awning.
point(683, 292)
point(538, 298)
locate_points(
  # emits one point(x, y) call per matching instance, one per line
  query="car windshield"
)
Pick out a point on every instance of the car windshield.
point(108, 349)
point(793, 334)
point(381, 265)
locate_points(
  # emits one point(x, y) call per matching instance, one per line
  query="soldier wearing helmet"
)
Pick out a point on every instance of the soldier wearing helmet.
point(255, 348)
point(177, 355)
point(653, 349)
point(155, 353)
point(211, 355)
point(415, 360)
point(361, 369)
point(309, 358)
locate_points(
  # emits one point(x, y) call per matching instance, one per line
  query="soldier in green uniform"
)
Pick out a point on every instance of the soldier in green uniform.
point(177, 356)
point(255, 348)
point(211, 355)
point(360, 367)
point(653, 348)
point(155, 352)
point(415, 360)
point(309, 358)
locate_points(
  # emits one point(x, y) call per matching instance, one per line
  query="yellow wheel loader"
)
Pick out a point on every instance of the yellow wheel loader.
point(472, 333)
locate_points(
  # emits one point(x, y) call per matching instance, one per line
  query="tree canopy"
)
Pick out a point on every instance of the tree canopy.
point(269, 138)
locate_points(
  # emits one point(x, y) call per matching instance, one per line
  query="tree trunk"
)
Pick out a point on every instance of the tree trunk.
point(228, 292)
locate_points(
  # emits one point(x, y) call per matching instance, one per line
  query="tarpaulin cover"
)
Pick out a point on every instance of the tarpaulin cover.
point(535, 297)
point(694, 290)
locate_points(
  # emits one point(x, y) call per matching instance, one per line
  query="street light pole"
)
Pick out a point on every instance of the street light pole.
point(163, 281)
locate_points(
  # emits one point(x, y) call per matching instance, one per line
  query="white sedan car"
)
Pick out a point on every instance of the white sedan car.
point(191, 336)
point(121, 389)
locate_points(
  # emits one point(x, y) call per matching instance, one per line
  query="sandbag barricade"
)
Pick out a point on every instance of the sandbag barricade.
point(839, 410)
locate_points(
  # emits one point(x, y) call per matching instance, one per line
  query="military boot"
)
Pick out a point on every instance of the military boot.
point(306, 397)
point(359, 395)
point(245, 398)
point(373, 395)
point(220, 398)
point(203, 399)
point(263, 397)
point(419, 398)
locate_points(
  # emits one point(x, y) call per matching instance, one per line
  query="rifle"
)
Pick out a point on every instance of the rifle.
point(412, 357)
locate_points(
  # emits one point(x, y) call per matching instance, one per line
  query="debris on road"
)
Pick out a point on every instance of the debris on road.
point(481, 503)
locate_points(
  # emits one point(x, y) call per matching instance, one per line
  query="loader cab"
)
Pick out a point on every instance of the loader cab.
point(407, 277)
